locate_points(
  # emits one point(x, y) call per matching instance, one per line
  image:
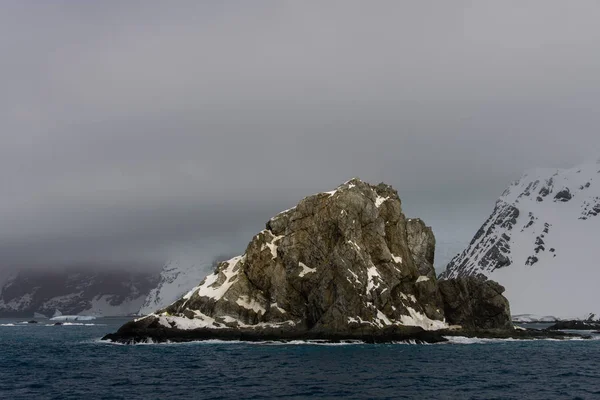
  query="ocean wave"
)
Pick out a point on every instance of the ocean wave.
point(450, 340)
point(469, 340)
point(232, 342)
point(7, 325)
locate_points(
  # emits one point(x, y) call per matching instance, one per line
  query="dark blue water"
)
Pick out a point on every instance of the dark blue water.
point(67, 362)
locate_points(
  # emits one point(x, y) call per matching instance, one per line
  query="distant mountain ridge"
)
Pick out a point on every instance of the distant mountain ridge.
point(75, 291)
point(541, 243)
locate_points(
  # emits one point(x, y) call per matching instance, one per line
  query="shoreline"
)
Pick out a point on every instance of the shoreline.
point(132, 334)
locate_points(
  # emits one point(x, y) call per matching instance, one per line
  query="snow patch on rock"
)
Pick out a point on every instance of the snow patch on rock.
point(416, 318)
point(397, 259)
point(380, 200)
point(373, 278)
point(305, 270)
point(211, 288)
point(250, 304)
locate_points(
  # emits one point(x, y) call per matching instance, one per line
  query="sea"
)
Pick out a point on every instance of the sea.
point(43, 361)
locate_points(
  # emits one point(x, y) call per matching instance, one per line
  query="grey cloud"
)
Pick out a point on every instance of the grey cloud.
point(137, 131)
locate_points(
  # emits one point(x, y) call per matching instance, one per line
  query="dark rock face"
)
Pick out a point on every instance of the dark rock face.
point(475, 303)
point(421, 242)
point(591, 208)
point(342, 264)
point(575, 325)
point(494, 247)
point(564, 195)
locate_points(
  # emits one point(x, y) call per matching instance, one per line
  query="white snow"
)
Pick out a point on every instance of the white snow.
point(210, 288)
point(417, 319)
point(199, 321)
point(397, 259)
point(414, 319)
point(372, 274)
point(354, 276)
point(380, 200)
point(409, 297)
point(305, 269)
point(284, 212)
point(176, 279)
point(73, 318)
point(422, 278)
point(101, 306)
point(276, 306)
point(359, 320)
point(356, 246)
point(383, 319)
point(563, 282)
point(272, 244)
point(250, 304)
point(533, 318)
point(203, 321)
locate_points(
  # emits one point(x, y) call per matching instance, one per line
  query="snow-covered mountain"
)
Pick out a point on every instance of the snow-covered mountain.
point(542, 242)
point(74, 291)
point(176, 279)
point(531, 318)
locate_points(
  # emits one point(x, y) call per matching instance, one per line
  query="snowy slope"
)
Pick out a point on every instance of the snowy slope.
point(176, 279)
point(542, 242)
point(75, 291)
point(103, 305)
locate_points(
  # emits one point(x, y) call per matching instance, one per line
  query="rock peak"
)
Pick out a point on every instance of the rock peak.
point(345, 262)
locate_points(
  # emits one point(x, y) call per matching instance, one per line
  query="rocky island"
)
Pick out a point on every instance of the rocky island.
point(341, 265)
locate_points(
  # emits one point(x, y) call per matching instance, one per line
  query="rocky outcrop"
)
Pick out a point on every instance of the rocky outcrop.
point(421, 243)
point(575, 325)
point(344, 264)
point(475, 303)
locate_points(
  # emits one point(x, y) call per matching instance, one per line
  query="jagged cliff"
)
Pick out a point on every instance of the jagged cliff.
point(341, 264)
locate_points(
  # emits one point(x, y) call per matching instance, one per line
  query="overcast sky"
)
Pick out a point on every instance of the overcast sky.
point(141, 131)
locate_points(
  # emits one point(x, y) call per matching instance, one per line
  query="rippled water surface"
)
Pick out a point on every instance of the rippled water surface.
point(56, 362)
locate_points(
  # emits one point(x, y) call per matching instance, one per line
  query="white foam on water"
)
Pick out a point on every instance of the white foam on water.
point(231, 342)
point(468, 340)
point(461, 340)
point(411, 342)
